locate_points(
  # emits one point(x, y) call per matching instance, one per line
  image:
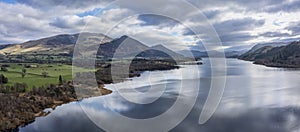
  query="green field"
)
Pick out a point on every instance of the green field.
point(34, 76)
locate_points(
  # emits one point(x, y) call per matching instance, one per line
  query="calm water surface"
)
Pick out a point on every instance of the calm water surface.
point(256, 99)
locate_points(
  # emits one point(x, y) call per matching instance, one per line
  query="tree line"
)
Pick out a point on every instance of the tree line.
point(19, 87)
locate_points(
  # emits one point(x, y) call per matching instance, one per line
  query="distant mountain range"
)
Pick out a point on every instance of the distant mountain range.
point(59, 44)
point(200, 54)
point(124, 46)
point(275, 55)
point(120, 47)
point(259, 49)
point(160, 50)
point(273, 44)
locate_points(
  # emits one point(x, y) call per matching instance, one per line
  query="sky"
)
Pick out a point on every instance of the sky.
point(239, 24)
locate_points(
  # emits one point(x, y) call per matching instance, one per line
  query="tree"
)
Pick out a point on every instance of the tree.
point(23, 72)
point(45, 74)
point(3, 79)
point(60, 80)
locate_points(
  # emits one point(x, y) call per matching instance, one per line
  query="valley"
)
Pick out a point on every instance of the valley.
point(41, 78)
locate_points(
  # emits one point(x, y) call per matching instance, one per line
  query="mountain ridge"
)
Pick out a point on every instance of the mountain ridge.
point(87, 44)
point(283, 56)
point(58, 44)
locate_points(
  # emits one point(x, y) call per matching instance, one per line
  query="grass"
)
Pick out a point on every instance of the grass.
point(34, 75)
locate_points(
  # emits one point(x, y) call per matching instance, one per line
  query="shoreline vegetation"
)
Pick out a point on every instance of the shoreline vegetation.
point(21, 107)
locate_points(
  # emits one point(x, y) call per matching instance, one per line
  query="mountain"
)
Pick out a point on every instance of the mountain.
point(159, 52)
point(193, 53)
point(260, 49)
point(2, 46)
point(126, 46)
point(283, 56)
point(252, 54)
point(59, 44)
point(273, 44)
point(213, 53)
point(121, 47)
point(159, 49)
point(234, 54)
point(89, 44)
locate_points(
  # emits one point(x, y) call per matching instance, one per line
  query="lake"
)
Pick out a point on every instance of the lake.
point(255, 99)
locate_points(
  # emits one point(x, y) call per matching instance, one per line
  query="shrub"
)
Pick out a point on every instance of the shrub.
point(3, 79)
point(60, 81)
point(45, 74)
point(23, 72)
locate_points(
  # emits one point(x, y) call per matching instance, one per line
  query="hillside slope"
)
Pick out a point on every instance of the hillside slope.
point(59, 44)
point(283, 56)
point(87, 44)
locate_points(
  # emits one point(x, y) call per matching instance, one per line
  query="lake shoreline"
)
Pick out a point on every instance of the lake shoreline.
point(274, 65)
point(25, 107)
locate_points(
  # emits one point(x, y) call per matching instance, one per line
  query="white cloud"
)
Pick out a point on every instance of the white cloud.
point(238, 22)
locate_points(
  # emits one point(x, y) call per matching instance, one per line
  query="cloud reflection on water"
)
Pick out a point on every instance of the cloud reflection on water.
point(256, 99)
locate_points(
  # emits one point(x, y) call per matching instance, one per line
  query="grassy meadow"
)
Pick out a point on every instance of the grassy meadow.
point(34, 75)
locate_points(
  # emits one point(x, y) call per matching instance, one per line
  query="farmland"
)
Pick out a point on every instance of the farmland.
point(34, 76)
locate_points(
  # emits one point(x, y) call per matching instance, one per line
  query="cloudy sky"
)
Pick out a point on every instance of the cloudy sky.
point(239, 24)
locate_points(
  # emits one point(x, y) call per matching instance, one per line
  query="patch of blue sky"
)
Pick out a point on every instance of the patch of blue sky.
point(174, 33)
point(189, 39)
point(93, 12)
point(9, 1)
